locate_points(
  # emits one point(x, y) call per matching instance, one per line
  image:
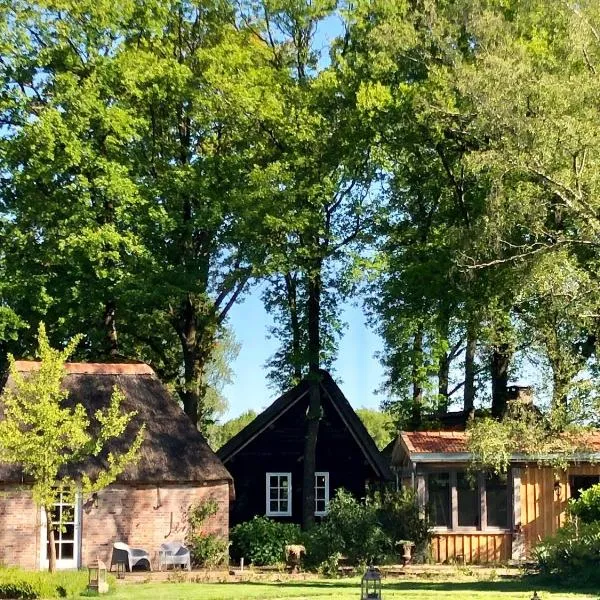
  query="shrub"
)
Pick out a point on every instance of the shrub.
point(399, 516)
point(571, 554)
point(351, 528)
point(261, 541)
point(16, 583)
point(587, 507)
point(207, 550)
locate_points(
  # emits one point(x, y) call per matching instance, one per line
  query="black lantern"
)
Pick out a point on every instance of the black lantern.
point(370, 585)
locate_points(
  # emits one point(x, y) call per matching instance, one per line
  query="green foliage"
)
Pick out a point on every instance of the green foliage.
point(330, 566)
point(17, 583)
point(350, 528)
point(261, 541)
point(398, 514)
point(379, 424)
point(522, 430)
point(587, 506)
point(207, 550)
point(571, 554)
point(43, 435)
point(219, 434)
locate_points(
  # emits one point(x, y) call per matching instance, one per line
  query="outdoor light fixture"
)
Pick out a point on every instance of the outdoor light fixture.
point(97, 577)
point(95, 500)
point(370, 585)
point(557, 489)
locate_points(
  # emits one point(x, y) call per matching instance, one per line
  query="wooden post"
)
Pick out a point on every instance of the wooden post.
point(518, 537)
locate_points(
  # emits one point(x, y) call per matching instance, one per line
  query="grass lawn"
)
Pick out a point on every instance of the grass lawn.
point(348, 589)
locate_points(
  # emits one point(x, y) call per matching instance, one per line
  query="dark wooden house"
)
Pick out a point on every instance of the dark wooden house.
point(266, 457)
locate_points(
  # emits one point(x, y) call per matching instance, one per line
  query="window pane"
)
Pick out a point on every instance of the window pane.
point(580, 483)
point(273, 481)
point(496, 500)
point(66, 550)
point(283, 481)
point(468, 501)
point(439, 499)
point(283, 506)
point(273, 505)
point(283, 493)
point(320, 481)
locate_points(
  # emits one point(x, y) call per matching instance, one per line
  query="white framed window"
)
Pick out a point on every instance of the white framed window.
point(279, 494)
point(321, 493)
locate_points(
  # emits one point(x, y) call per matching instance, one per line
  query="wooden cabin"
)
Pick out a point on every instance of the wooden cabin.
point(489, 519)
point(266, 457)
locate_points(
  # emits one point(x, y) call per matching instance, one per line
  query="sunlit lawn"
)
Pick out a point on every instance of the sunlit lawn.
point(349, 589)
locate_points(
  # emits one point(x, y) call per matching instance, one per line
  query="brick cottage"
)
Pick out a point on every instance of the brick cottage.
point(147, 505)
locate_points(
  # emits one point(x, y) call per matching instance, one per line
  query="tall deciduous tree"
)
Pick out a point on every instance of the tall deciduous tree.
point(132, 198)
point(319, 169)
point(44, 436)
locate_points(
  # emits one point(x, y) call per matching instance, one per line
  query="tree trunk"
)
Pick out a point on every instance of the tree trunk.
point(313, 415)
point(469, 389)
point(292, 300)
point(110, 328)
point(500, 362)
point(51, 542)
point(196, 346)
point(417, 397)
point(443, 380)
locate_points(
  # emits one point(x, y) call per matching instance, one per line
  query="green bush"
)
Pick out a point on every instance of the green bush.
point(571, 554)
point(16, 583)
point(587, 507)
point(399, 516)
point(206, 550)
point(261, 541)
point(351, 529)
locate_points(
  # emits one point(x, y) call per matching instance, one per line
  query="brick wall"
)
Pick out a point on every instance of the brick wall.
point(19, 527)
point(142, 516)
point(147, 516)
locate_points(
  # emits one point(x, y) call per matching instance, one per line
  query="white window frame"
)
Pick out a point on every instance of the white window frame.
point(280, 513)
point(325, 474)
point(65, 563)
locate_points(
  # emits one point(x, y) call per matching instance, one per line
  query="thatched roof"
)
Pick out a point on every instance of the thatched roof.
point(329, 388)
point(173, 450)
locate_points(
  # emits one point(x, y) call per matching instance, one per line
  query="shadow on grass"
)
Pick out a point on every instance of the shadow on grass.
point(520, 584)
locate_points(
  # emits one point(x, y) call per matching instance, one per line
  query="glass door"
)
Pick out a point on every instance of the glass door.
point(66, 518)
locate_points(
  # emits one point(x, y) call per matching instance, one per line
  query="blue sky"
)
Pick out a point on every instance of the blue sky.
point(356, 370)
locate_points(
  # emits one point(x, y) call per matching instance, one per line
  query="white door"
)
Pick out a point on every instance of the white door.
point(67, 535)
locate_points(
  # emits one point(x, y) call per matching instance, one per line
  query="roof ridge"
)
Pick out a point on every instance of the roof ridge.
point(91, 368)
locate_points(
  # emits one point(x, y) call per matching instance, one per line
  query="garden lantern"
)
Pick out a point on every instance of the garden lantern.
point(97, 577)
point(370, 585)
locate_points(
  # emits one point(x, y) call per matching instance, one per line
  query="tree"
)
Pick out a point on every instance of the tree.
point(132, 162)
point(379, 424)
point(319, 174)
point(220, 434)
point(45, 436)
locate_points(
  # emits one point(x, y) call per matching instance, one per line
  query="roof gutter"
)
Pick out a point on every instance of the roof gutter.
point(453, 457)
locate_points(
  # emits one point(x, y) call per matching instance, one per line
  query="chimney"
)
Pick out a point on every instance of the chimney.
point(520, 393)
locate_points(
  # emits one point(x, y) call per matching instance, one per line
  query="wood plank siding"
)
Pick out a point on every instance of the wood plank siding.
point(471, 547)
point(543, 506)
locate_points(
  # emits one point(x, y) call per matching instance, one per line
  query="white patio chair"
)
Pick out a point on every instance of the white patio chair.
point(174, 553)
point(130, 557)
